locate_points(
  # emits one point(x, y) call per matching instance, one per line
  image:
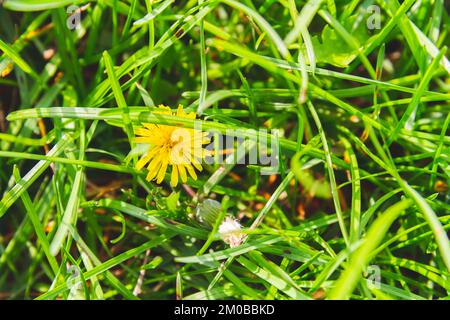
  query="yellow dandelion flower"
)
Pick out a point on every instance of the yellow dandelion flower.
point(170, 146)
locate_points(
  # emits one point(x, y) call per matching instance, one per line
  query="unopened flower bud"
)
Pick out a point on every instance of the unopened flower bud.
point(231, 232)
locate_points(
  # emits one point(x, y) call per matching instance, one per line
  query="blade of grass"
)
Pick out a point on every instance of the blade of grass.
point(360, 258)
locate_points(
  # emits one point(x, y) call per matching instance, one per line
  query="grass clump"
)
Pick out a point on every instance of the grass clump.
point(347, 101)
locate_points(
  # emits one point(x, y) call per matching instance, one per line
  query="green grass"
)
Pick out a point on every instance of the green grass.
point(361, 116)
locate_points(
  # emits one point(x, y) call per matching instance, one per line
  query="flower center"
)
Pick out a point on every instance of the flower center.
point(171, 143)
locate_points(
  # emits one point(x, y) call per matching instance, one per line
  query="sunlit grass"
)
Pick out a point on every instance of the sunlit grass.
point(359, 205)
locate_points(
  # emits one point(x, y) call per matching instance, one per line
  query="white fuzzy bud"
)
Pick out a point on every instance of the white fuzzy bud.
point(230, 230)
